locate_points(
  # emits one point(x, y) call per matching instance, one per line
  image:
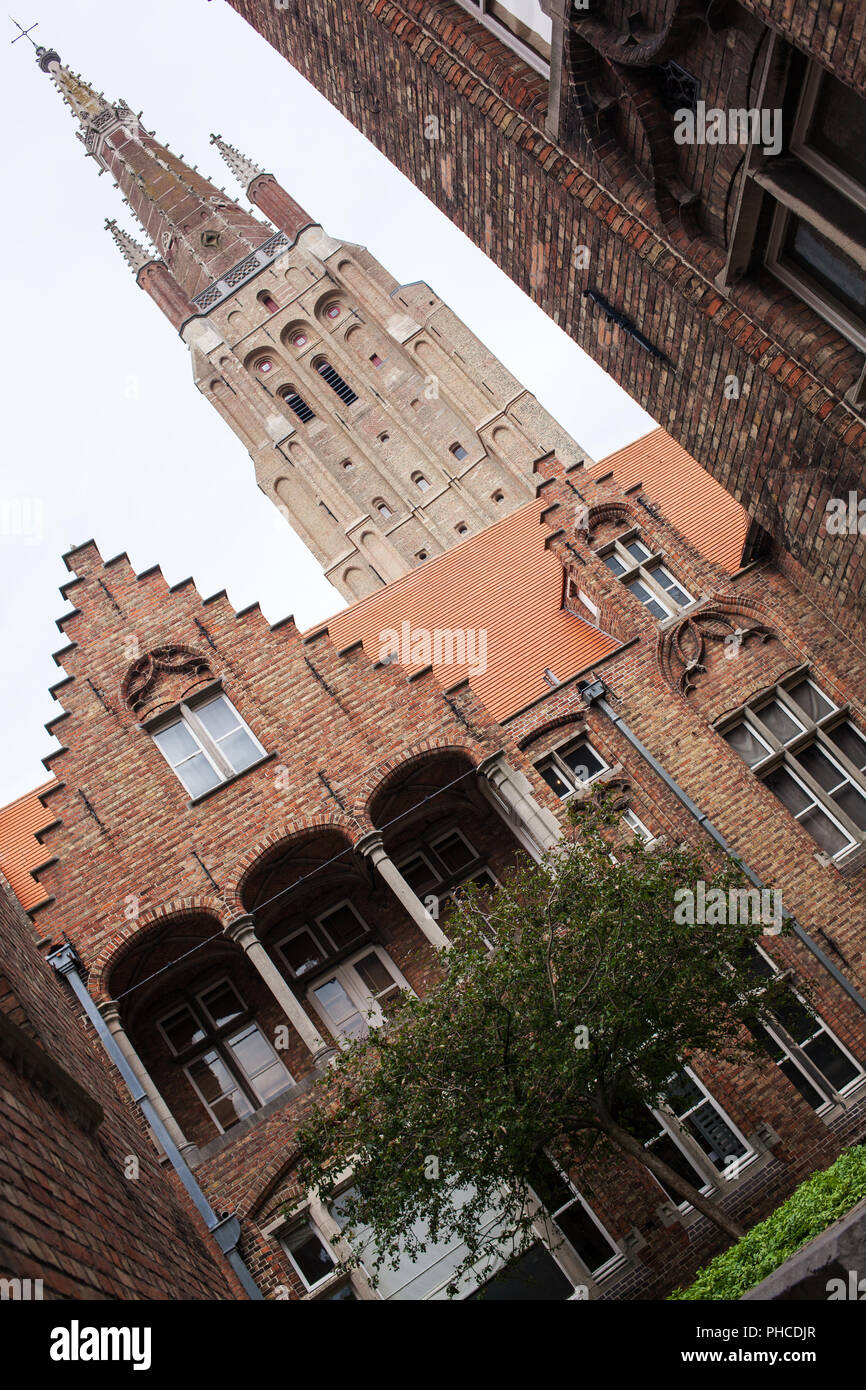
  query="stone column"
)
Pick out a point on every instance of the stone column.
point(511, 793)
point(372, 848)
point(111, 1014)
point(242, 930)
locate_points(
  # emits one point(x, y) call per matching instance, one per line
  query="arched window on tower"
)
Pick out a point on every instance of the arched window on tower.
point(296, 403)
point(267, 299)
point(420, 482)
point(336, 382)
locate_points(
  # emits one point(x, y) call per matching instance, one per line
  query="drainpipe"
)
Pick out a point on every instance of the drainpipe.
point(593, 693)
point(225, 1230)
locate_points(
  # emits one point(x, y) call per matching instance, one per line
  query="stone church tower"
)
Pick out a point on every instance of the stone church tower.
point(378, 424)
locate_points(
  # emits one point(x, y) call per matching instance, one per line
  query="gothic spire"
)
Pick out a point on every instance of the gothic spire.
point(243, 168)
point(201, 233)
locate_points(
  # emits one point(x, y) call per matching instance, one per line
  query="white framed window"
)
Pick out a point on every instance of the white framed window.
point(302, 952)
point(692, 1133)
point(225, 1055)
point(207, 743)
point(569, 768)
point(357, 994)
point(342, 925)
point(574, 1220)
point(310, 1255)
point(811, 757)
point(641, 571)
point(637, 826)
point(803, 1046)
point(521, 25)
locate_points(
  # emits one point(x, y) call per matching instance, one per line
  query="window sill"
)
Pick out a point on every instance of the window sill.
point(230, 781)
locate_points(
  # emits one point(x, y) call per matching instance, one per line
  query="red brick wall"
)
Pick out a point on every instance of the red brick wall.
point(69, 1214)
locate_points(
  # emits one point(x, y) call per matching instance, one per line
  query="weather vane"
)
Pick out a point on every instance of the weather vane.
point(25, 33)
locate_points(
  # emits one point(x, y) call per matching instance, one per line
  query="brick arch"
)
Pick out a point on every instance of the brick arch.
point(268, 1181)
point(561, 721)
point(171, 659)
point(148, 924)
point(681, 649)
point(604, 512)
point(386, 772)
point(350, 826)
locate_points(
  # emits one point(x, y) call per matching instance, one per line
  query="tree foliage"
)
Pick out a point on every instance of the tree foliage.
point(568, 1001)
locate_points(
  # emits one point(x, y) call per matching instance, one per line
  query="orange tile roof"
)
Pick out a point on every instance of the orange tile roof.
point(20, 851)
point(502, 581)
point(686, 494)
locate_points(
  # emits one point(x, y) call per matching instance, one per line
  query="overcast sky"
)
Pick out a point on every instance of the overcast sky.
point(105, 434)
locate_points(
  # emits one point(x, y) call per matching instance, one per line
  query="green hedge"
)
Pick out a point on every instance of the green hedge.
point(815, 1205)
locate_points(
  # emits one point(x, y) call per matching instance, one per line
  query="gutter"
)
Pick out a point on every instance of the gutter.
point(226, 1230)
point(594, 695)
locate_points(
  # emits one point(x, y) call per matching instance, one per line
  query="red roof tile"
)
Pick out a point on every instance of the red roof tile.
point(502, 582)
point(20, 851)
point(685, 493)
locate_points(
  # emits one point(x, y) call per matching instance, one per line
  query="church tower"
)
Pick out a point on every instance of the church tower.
point(377, 423)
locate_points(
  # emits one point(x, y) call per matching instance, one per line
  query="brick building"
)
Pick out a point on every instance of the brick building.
point(720, 282)
point(245, 820)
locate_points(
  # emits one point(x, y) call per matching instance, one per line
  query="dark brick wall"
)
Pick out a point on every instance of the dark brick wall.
point(69, 1214)
point(789, 442)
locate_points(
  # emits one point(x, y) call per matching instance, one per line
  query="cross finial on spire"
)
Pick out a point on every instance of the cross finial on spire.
point(25, 33)
point(243, 168)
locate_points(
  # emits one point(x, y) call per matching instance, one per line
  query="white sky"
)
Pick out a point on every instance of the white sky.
point(104, 430)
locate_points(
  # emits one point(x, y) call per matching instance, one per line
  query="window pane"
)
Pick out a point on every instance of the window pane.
point(801, 1083)
point(375, 976)
point(302, 954)
point(836, 126)
point(830, 1061)
point(779, 721)
point(182, 1029)
point(673, 1155)
point(747, 743)
point(583, 761)
point(637, 551)
point(614, 564)
point(822, 829)
point(853, 803)
point(665, 578)
point(342, 926)
point(681, 1093)
point(851, 743)
point(240, 750)
point(220, 1090)
point(819, 766)
point(343, 1294)
point(715, 1136)
point(346, 1019)
point(309, 1254)
point(822, 261)
point(554, 780)
point(217, 716)
point(176, 742)
point(641, 591)
point(251, 1051)
point(533, 1277)
point(811, 701)
point(584, 1236)
point(418, 874)
point(454, 852)
point(222, 1004)
point(789, 792)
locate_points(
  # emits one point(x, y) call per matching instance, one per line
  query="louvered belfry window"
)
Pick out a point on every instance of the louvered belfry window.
point(336, 382)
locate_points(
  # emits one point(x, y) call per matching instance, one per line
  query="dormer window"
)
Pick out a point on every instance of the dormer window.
point(206, 744)
point(643, 574)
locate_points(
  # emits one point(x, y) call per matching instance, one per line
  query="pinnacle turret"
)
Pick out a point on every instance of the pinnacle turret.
point(132, 251)
point(243, 168)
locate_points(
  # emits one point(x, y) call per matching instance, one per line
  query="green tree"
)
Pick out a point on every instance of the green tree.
point(567, 1005)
